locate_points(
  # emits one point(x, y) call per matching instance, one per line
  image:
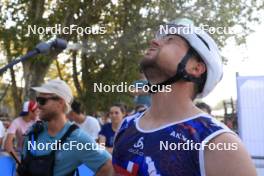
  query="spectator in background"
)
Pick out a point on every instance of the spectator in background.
point(54, 101)
point(141, 97)
point(104, 119)
point(20, 125)
point(106, 135)
point(6, 123)
point(204, 107)
point(88, 123)
point(2, 133)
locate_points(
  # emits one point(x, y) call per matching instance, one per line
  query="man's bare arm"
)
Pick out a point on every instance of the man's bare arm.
point(236, 162)
point(106, 169)
point(110, 149)
point(9, 142)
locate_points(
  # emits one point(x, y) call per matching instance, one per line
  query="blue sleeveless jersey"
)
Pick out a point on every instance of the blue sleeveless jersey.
point(171, 150)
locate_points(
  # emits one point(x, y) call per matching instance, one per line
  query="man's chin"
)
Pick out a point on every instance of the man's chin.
point(147, 62)
point(148, 58)
point(44, 118)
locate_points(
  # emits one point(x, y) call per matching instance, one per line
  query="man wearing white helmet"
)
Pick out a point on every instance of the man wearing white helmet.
point(174, 137)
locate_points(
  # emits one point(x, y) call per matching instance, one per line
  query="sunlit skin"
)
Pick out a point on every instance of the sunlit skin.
point(49, 111)
point(162, 58)
point(160, 63)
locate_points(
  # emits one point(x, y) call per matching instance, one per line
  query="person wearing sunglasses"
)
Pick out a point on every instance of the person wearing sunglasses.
point(173, 136)
point(54, 100)
point(19, 126)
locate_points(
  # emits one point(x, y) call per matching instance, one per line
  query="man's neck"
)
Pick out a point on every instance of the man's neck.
point(169, 107)
point(56, 124)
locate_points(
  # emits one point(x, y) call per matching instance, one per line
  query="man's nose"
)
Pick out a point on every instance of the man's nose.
point(155, 42)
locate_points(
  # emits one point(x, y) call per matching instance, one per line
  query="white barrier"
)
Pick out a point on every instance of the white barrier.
point(250, 111)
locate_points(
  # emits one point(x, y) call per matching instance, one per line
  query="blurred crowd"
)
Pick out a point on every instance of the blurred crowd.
point(101, 126)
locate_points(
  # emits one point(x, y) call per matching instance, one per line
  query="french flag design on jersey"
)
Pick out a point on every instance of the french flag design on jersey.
point(131, 169)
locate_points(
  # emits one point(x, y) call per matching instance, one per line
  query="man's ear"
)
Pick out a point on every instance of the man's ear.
point(195, 68)
point(62, 102)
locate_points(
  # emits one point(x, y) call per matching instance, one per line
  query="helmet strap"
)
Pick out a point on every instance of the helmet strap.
point(181, 74)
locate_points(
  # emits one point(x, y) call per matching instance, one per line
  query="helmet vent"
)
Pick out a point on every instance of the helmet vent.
point(206, 44)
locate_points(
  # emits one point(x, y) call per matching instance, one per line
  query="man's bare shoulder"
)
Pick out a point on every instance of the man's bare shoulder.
point(229, 161)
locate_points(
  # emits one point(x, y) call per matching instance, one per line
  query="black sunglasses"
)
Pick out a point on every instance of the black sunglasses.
point(43, 100)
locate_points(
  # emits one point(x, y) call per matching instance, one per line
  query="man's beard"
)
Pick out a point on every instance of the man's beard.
point(153, 70)
point(48, 116)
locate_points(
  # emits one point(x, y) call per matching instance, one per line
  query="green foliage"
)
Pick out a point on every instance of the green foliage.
point(112, 57)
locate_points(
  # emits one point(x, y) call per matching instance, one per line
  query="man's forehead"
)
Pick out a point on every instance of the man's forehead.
point(179, 39)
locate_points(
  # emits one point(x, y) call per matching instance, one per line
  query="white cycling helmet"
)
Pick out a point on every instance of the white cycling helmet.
point(203, 44)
